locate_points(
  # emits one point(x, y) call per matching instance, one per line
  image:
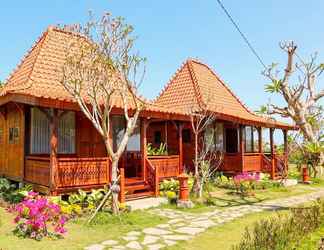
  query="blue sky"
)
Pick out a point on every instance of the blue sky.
point(171, 31)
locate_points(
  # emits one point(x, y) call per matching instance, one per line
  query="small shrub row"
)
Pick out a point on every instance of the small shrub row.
point(170, 189)
point(283, 231)
point(10, 193)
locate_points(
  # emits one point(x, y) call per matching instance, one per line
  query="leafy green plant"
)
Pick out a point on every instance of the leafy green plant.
point(161, 150)
point(284, 231)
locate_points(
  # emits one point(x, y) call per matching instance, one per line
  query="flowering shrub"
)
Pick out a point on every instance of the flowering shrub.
point(38, 217)
point(245, 182)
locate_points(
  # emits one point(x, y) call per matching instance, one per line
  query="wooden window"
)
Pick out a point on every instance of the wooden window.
point(118, 129)
point(13, 135)
point(251, 139)
point(40, 133)
point(186, 135)
point(134, 141)
point(66, 134)
point(157, 137)
point(214, 137)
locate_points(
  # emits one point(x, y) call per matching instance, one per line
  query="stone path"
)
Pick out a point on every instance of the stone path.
point(183, 226)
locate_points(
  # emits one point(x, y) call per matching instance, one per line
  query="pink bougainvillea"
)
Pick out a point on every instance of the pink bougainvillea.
point(38, 217)
point(245, 182)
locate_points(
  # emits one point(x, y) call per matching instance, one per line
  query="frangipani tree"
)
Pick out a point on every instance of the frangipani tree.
point(298, 85)
point(101, 72)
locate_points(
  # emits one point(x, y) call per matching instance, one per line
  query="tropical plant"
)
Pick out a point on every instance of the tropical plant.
point(37, 217)
point(161, 150)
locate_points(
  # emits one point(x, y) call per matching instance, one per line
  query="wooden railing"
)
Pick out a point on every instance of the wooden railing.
point(37, 170)
point(82, 171)
point(266, 165)
point(232, 162)
point(252, 162)
point(167, 166)
point(152, 176)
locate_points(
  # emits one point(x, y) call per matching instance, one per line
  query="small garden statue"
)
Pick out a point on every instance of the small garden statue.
point(183, 201)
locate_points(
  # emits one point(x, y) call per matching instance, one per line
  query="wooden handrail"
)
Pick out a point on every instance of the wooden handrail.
point(154, 182)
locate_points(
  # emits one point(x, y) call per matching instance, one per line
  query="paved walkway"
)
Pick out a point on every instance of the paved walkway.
point(184, 226)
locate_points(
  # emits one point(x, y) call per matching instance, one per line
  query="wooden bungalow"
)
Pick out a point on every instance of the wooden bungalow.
point(45, 139)
point(237, 132)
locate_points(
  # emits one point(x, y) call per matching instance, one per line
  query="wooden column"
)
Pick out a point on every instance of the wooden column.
point(284, 131)
point(144, 125)
point(181, 168)
point(53, 148)
point(260, 140)
point(166, 134)
point(273, 170)
point(242, 145)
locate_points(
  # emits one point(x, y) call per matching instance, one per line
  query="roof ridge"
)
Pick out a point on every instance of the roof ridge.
point(168, 84)
point(225, 85)
point(195, 83)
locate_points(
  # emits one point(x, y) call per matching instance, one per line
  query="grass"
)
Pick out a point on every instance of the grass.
point(222, 237)
point(224, 198)
point(312, 241)
point(79, 234)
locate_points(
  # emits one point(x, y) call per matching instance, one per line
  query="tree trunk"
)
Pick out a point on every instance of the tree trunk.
point(115, 186)
point(196, 186)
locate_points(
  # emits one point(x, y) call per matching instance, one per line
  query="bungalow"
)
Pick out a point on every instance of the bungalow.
point(45, 139)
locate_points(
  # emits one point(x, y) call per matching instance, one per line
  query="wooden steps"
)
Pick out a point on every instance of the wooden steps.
point(137, 189)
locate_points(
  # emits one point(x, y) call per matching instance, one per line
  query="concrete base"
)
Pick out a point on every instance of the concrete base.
point(146, 203)
point(289, 182)
point(185, 204)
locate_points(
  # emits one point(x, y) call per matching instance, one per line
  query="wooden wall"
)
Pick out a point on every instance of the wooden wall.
point(12, 149)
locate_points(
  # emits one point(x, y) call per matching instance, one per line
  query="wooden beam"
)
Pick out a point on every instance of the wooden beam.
point(121, 197)
point(242, 145)
point(273, 170)
point(181, 168)
point(53, 149)
point(144, 125)
point(260, 140)
point(166, 134)
point(285, 136)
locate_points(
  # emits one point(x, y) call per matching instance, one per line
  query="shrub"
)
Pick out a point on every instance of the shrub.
point(245, 182)
point(38, 217)
point(9, 192)
point(284, 231)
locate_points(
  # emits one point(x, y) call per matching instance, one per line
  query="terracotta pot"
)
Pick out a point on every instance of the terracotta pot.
point(305, 174)
point(184, 188)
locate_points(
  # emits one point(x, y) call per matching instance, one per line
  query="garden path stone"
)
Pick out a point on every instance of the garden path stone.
point(183, 226)
point(95, 247)
point(155, 246)
point(134, 245)
point(190, 230)
point(149, 239)
point(134, 233)
point(156, 231)
point(109, 242)
point(130, 238)
point(170, 242)
point(176, 237)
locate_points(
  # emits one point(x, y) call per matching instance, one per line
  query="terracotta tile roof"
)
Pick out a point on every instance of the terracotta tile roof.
point(195, 85)
point(40, 71)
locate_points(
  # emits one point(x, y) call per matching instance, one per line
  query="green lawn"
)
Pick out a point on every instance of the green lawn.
point(222, 237)
point(312, 241)
point(108, 227)
point(79, 235)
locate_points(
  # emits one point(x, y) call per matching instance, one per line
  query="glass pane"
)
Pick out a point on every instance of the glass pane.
point(66, 134)
point(40, 132)
point(219, 138)
point(248, 139)
point(255, 140)
point(209, 137)
point(118, 129)
point(134, 142)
